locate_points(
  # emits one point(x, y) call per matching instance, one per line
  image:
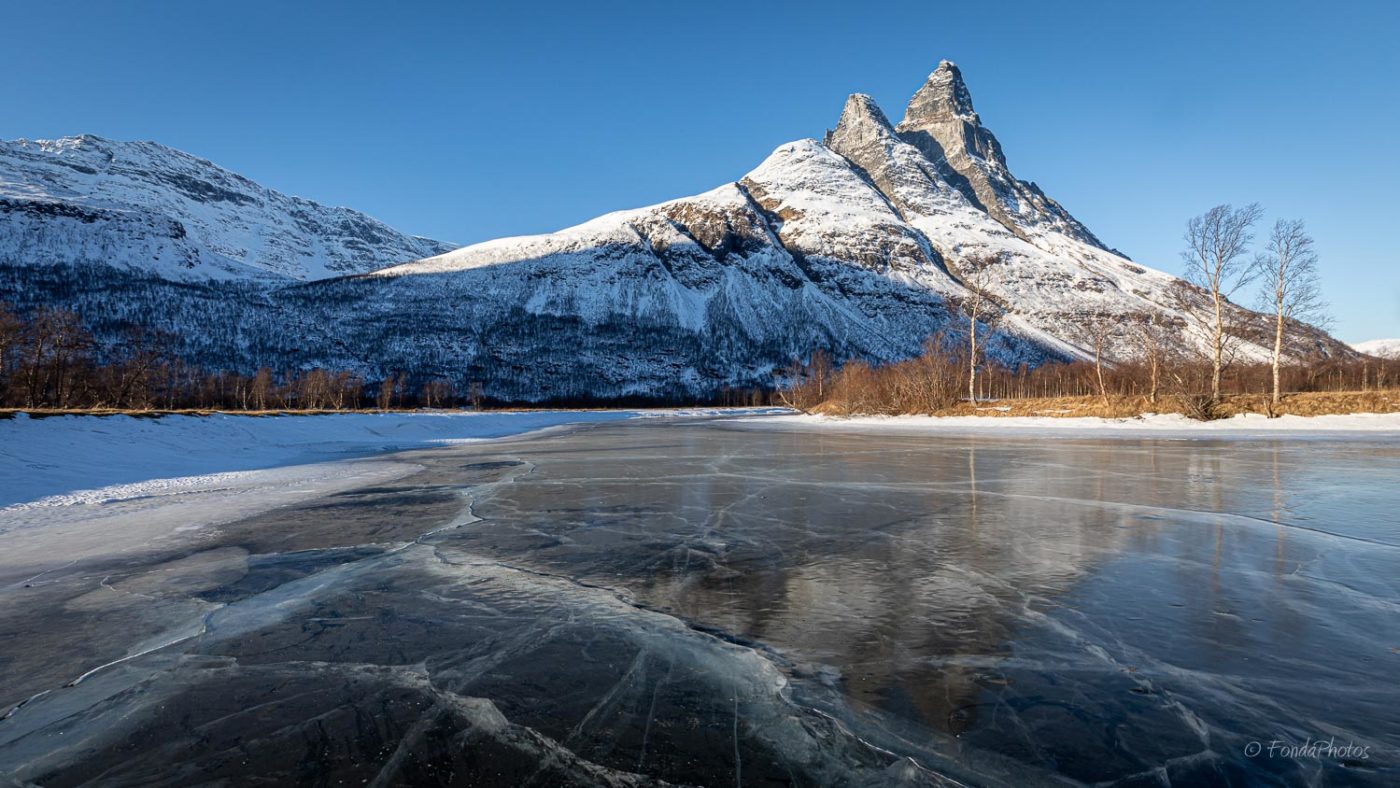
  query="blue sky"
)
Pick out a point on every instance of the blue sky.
point(467, 121)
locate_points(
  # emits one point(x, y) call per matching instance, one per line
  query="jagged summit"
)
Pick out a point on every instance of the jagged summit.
point(944, 96)
point(861, 119)
point(865, 244)
point(927, 206)
point(861, 108)
point(941, 123)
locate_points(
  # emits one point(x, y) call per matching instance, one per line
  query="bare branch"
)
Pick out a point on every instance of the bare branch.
point(1217, 241)
point(1291, 290)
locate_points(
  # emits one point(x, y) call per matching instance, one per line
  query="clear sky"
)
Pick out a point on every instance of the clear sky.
point(470, 120)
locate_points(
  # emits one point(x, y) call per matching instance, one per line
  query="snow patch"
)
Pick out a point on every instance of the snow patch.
point(1381, 348)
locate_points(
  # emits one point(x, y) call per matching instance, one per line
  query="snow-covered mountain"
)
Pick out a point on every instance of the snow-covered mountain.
point(146, 207)
point(865, 243)
point(887, 225)
point(1380, 348)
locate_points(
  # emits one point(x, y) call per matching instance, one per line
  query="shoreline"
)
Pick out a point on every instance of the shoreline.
point(70, 459)
point(1149, 425)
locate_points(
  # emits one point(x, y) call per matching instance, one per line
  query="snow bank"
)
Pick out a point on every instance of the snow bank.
point(65, 460)
point(1162, 425)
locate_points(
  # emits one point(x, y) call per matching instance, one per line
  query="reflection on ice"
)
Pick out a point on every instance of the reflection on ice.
point(692, 603)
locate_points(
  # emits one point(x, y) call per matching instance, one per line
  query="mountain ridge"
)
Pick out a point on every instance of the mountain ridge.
point(861, 243)
point(1380, 348)
point(869, 196)
point(184, 216)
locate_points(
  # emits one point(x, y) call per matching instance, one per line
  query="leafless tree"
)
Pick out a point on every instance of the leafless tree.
point(793, 386)
point(437, 392)
point(260, 390)
point(932, 377)
point(1099, 331)
point(819, 371)
point(385, 399)
point(142, 352)
point(1287, 269)
point(1217, 241)
point(979, 307)
point(54, 345)
point(806, 385)
point(1152, 342)
point(11, 328)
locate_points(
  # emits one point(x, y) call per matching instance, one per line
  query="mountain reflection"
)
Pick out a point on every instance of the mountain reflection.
point(906, 568)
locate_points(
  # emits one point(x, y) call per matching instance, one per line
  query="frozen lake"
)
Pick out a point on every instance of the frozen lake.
point(694, 602)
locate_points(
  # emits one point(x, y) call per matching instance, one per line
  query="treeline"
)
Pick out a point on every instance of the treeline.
point(1139, 355)
point(518, 357)
point(50, 361)
point(936, 381)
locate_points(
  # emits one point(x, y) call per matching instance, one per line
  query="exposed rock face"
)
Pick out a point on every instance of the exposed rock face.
point(911, 183)
point(941, 123)
point(146, 207)
point(864, 244)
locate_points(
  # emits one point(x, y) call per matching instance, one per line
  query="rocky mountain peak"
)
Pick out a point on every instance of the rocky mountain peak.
point(941, 123)
point(861, 246)
point(943, 97)
point(861, 122)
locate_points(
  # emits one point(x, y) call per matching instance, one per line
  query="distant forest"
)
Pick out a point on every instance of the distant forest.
point(49, 360)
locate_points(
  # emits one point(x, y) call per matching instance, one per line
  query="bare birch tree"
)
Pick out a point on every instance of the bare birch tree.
point(1216, 244)
point(1152, 341)
point(385, 398)
point(979, 308)
point(804, 386)
point(1098, 331)
point(1287, 269)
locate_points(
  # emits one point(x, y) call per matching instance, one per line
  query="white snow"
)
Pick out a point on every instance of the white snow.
point(821, 206)
point(146, 207)
point(1153, 425)
point(858, 245)
point(1383, 348)
point(68, 460)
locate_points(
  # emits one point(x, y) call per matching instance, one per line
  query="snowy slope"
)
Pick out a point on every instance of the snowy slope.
point(143, 206)
point(864, 243)
point(1381, 348)
point(880, 223)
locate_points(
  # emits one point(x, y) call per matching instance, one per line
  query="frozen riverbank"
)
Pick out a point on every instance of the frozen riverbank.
point(66, 460)
point(1157, 425)
point(63, 460)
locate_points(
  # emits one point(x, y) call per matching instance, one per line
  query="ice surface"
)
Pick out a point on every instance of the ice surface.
point(690, 601)
point(85, 459)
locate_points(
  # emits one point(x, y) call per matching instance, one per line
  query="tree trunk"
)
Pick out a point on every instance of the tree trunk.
point(972, 362)
point(1218, 348)
point(1278, 354)
point(1098, 372)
